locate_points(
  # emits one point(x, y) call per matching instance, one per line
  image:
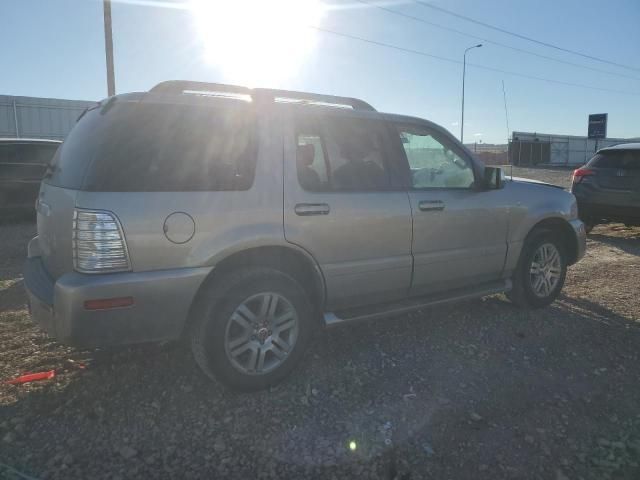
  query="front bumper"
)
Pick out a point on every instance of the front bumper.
point(581, 238)
point(161, 304)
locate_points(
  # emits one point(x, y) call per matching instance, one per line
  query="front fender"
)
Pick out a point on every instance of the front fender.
point(533, 204)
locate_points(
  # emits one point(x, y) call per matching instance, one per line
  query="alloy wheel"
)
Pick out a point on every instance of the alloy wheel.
point(545, 270)
point(261, 333)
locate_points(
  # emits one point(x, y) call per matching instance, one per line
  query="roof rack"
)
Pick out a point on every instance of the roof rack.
point(260, 94)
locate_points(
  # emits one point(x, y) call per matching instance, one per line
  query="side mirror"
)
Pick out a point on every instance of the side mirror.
point(493, 178)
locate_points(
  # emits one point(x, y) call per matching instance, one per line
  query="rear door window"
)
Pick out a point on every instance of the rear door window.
point(311, 159)
point(131, 147)
point(342, 154)
point(358, 151)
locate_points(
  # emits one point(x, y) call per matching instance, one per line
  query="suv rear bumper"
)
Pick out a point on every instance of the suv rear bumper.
point(607, 204)
point(161, 304)
point(595, 211)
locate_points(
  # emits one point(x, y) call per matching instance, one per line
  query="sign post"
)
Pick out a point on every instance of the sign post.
point(597, 127)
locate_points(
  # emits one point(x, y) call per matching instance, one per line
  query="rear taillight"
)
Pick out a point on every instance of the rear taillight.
point(581, 174)
point(98, 242)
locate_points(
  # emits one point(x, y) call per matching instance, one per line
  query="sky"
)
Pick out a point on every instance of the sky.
point(55, 48)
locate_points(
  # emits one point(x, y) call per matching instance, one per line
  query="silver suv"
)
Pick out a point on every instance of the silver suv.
point(242, 219)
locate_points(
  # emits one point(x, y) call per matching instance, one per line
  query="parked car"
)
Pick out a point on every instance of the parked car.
point(608, 186)
point(242, 219)
point(22, 164)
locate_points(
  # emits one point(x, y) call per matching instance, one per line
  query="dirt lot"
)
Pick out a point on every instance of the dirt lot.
point(477, 390)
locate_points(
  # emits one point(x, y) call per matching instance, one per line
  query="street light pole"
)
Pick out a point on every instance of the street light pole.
point(108, 46)
point(464, 69)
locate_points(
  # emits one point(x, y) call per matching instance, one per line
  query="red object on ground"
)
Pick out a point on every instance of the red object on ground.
point(33, 377)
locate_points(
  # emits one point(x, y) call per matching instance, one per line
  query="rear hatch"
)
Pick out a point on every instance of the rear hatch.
point(617, 170)
point(155, 171)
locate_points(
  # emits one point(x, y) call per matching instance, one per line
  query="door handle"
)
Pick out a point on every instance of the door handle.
point(307, 209)
point(431, 205)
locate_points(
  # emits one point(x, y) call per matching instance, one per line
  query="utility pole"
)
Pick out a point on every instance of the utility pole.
point(464, 70)
point(506, 113)
point(108, 45)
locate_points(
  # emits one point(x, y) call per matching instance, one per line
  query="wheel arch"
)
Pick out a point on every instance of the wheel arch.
point(291, 260)
point(565, 232)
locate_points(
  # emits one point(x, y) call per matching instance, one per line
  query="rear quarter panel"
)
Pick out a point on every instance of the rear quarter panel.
point(55, 227)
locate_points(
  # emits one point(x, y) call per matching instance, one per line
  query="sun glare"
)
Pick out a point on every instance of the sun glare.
point(256, 41)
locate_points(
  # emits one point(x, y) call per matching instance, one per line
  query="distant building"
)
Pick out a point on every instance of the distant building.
point(528, 148)
point(34, 117)
point(490, 153)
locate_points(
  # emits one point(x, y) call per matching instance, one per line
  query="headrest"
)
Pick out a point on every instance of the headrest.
point(306, 154)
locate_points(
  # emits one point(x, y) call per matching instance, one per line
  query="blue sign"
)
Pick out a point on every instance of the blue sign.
point(597, 125)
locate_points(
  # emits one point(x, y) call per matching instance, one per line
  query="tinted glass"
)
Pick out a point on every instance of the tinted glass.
point(25, 162)
point(435, 162)
point(341, 154)
point(68, 166)
point(158, 147)
point(357, 150)
point(310, 157)
point(9, 153)
point(618, 159)
point(37, 153)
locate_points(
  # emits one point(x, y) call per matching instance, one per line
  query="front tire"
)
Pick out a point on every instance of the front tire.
point(252, 328)
point(541, 270)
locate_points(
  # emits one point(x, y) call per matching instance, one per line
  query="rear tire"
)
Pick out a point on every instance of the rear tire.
point(541, 270)
point(251, 328)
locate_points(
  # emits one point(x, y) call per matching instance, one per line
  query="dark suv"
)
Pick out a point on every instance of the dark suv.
point(608, 186)
point(23, 162)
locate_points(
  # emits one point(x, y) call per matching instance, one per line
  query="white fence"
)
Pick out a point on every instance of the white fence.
point(565, 149)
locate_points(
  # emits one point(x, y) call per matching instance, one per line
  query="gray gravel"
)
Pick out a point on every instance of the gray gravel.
point(477, 390)
point(555, 175)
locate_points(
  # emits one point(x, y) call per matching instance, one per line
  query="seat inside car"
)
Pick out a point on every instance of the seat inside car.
point(308, 177)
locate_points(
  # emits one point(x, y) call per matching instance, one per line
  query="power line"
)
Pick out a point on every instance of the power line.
point(486, 40)
point(475, 65)
point(523, 37)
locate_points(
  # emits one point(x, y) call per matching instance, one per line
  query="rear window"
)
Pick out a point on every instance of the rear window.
point(127, 147)
point(618, 159)
point(25, 161)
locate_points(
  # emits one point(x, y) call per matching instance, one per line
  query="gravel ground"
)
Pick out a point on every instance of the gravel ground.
point(556, 176)
point(476, 390)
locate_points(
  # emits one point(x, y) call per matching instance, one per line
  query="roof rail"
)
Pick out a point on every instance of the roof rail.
point(264, 94)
